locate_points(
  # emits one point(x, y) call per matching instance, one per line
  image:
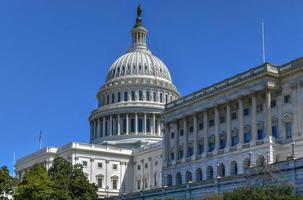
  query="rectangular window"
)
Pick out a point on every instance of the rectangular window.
point(273, 103)
point(147, 96)
point(99, 182)
point(154, 96)
point(84, 163)
point(113, 98)
point(222, 119)
point(100, 165)
point(138, 184)
point(125, 96)
point(246, 111)
point(132, 125)
point(146, 165)
point(172, 156)
point(166, 98)
point(211, 123)
point(115, 184)
point(181, 132)
point(200, 126)
point(148, 125)
point(161, 97)
point(233, 115)
point(288, 130)
point(138, 167)
point(115, 166)
point(287, 99)
point(107, 99)
point(201, 148)
point(119, 96)
point(133, 96)
point(172, 135)
point(260, 107)
point(191, 129)
point(140, 96)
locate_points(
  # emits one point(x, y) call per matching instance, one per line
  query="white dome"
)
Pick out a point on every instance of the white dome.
point(138, 63)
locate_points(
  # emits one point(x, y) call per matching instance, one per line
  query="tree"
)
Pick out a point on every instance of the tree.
point(7, 183)
point(70, 183)
point(35, 185)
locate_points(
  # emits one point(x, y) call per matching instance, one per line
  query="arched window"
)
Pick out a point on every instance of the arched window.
point(233, 168)
point(155, 179)
point(133, 96)
point(287, 120)
point(178, 179)
point(99, 179)
point(113, 97)
point(188, 177)
point(260, 161)
point(119, 96)
point(209, 173)
point(221, 170)
point(199, 174)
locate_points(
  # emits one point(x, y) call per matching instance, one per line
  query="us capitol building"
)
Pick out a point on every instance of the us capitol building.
point(252, 119)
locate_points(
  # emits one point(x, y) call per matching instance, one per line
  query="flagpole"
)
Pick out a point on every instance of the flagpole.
point(263, 43)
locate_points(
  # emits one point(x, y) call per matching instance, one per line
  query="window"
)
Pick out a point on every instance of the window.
point(273, 103)
point(100, 165)
point(211, 123)
point(201, 148)
point(154, 96)
point(234, 115)
point(125, 96)
point(288, 130)
point(181, 132)
point(180, 156)
point(246, 111)
point(84, 163)
point(146, 165)
point(260, 133)
point(274, 131)
point(200, 126)
point(166, 98)
point(132, 125)
point(140, 125)
point(115, 166)
point(172, 135)
point(234, 140)
point(147, 96)
point(211, 146)
point(133, 96)
point(107, 99)
point(222, 141)
point(99, 182)
point(148, 125)
point(287, 99)
point(119, 96)
point(113, 98)
point(191, 129)
point(138, 184)
point(140, 96)
point(190, 151)
point(124, 125)
point(138, 167)
point(172, 156)
point(222, 119)
point(260, 107)
point(115, 183)
point(161, 97)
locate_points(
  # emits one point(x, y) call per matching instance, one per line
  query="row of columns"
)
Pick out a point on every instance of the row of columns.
point(268, 127)
point(96, 126)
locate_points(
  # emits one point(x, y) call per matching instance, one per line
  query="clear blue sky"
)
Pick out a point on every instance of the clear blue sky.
point(54, 55)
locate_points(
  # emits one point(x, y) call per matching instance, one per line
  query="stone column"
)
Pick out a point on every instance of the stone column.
point(154, 124)
point(91, 130)
point(110, 125)
point(228, 124)
point(268, 113)
point(136, 123)
point(165, 145)
point(127, 124)
point(254, 118)
point(98, 128)
point(104, 126)
point(186, 136)
point(195, 127)
point(118, 125)
point(144, 123)
point(205, 127)
point(177, 139)
point(217, 135)
point(159, 127)
point(241, 122)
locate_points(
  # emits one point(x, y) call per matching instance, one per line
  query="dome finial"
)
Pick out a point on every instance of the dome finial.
point(139, 14)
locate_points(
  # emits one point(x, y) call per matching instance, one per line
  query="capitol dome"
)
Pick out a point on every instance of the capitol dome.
point(137, 87)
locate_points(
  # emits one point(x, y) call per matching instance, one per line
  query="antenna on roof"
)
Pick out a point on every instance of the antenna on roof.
point(263, 43)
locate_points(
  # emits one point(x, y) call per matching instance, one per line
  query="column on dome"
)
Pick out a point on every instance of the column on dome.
point(205, 125)
point(154, 124)
point(110, 125)
point(159, 127)
point(127, 124)
point(268, 113)
point(217, 136)
point(98, 128)
point(241, 122)
point(136, 123)
point(91, 130)
point(104, 130)
point(145, 124)
point(228, 126)
point(118, 125)
point(254, 117)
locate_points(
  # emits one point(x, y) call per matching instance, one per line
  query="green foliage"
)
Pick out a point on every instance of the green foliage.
point(35, 185)
point(7, 183)
point(214, 197)
point(63, 181)
point(70, 183)
point(266, 192)
point(170, 198)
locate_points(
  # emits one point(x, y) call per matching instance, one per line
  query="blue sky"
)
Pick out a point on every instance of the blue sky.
point(54, 55)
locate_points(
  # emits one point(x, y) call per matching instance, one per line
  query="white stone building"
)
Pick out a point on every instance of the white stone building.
point(251, 119)
point(125, 150)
